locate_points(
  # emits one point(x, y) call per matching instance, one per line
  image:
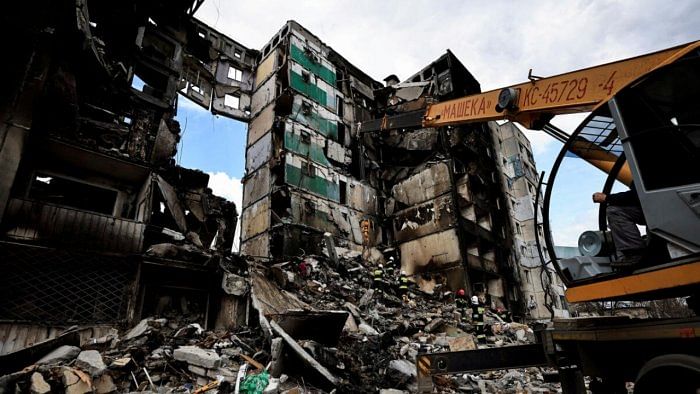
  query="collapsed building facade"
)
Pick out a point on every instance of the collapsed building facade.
point(541, 288)
point(331, 151)
point(99, 225)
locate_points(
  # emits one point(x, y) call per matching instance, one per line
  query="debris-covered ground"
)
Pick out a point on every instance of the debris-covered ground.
point(372, 348)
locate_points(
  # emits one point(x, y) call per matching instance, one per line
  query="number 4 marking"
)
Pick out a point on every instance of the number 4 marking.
point(610, 83)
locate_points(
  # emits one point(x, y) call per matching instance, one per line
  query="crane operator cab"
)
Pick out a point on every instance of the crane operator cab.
point(647, 136)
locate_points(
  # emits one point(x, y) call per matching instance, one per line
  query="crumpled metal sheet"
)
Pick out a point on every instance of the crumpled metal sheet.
point(172, 202)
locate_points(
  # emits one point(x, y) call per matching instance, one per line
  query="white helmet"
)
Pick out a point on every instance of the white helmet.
point(403, 272)
point(391, 258)
point(475, 300)
point(381, 266)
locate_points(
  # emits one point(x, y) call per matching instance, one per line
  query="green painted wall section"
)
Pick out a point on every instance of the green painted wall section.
point(315, 184)
point(299, 56)
point(310, 150)
point(328, 128)
point(312, 91)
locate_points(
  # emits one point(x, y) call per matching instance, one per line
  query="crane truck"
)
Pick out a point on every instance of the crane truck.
point(643, 128)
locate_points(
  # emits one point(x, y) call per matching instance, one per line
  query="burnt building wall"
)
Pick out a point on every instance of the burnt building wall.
point(443, 199)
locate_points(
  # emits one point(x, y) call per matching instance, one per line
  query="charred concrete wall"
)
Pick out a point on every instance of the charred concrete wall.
point(519, 178)
point(443, 198)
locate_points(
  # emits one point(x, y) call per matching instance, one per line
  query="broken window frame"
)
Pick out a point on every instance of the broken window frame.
point(232, 101)
point(116, 204)
point(234, 73)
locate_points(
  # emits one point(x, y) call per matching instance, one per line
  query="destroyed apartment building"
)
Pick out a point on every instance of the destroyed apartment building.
point(101, 229)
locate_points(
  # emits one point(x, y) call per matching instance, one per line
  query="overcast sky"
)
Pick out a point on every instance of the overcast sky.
point(498, 41)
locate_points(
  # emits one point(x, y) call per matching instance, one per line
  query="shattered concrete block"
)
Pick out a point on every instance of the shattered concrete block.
point(197, 356)
point(434, 325)
point(73, 384)
point(350, 325)
point(392, 391)
point(140, 329)
point(402, 370)
point(465, 342)
point(367, 297)
point(197, 370)
point(367, 329)
point(91, 362)
point(62, 354)
point(226, 373)
point(276, 349)
point(39, 385)
point(104, 385)
point(202, 381)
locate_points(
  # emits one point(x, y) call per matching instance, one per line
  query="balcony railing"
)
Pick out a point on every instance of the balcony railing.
point(47, 224)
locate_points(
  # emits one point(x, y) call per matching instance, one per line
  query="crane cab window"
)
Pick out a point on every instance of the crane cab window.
point(662, 118)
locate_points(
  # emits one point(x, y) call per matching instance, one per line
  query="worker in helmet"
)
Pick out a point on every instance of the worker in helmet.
point(403, 285)
point(378, 278)
point(462, 304)
point(389, 270)
point(478, 319)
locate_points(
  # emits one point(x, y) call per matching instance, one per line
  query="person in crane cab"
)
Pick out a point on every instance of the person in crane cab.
point(624, 213)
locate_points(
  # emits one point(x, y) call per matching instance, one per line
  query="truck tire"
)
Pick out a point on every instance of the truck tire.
point(670, 373)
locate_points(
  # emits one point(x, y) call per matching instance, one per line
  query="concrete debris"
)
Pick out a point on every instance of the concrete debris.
point(197, 356)
point(74, 382)
point(61, 354)
point(38, 384)
point(104, 385)
point(91, 362)
point(308, 347)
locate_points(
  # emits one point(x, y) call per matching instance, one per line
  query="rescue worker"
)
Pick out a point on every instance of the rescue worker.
point(378, 278)
point(462, 304)
point(389, 271)
point(478, 319)
point(403, 286)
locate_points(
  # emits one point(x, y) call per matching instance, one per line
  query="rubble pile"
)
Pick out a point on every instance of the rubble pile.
point(319, 327)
